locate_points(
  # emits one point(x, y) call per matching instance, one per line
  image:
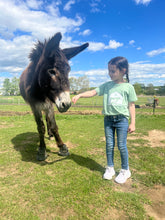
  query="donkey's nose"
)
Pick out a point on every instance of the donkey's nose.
point(64, 106)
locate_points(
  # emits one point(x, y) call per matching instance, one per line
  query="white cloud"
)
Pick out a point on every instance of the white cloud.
point(96, 6)
point(156, 52)
point(131, 42)
point(34, 4)
point(68, 5)
point(114, 44)
point(144, 68)
point(96, 46)
point(96, 76)
point(20, 26)
point(14, 17)
point(146, 72)
point(144, 2)
point(85, 32)
point(15, 53)
point(141, 72)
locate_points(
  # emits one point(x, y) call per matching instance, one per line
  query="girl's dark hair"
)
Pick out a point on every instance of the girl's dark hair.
point(120, 63)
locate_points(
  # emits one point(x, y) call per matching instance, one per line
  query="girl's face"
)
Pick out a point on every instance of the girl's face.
point(115, 74)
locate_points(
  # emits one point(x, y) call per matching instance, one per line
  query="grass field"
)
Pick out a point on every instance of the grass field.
point(94, 101)
point(72, 187)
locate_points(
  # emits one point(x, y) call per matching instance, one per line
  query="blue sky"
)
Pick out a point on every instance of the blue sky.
point(131, 28)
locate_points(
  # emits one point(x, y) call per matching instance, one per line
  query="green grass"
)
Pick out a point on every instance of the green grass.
point(72, 187)
point(11, 100)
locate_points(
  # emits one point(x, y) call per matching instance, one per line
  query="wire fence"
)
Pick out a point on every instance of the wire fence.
point(83, 102)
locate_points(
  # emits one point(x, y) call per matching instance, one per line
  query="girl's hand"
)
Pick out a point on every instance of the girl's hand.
point(131, 128)
point(86, 94)
point(75, 98)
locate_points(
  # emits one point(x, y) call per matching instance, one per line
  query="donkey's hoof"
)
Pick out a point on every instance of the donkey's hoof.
point(63, 151)
point(41, 157)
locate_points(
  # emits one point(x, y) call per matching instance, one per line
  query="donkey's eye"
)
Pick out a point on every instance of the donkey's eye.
point(52, 72)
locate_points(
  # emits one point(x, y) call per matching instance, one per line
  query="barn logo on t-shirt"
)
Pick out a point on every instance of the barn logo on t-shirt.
point(115, 98)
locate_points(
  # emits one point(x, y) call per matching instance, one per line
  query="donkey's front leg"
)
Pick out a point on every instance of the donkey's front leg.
point(48, 122)
point(41, 130)
point(54, 130)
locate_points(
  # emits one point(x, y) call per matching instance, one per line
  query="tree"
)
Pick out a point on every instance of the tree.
point(73, 84)
point(79, 84)
point(150, 89)
point(11, 87)
point(6, 86)
point(161, 90)
point(83, 82)
point(138, 88)
point(14, 86)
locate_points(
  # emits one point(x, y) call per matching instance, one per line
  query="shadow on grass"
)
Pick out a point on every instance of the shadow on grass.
point(27, 144)
point(86, 162)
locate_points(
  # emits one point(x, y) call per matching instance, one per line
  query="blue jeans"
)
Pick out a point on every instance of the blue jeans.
point(120, 124)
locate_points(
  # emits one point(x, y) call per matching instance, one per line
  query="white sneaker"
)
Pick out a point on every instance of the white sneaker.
point(109, 173)
point(123, 176)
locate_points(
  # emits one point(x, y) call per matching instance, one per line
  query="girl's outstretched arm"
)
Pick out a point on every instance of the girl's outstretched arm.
point(132, 116)
point(86, 94)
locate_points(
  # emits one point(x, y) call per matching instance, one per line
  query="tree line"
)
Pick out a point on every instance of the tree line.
point(81, 84)
point(150, 89)
point(11, 86)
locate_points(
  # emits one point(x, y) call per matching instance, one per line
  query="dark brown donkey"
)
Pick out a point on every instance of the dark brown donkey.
point(44, 82)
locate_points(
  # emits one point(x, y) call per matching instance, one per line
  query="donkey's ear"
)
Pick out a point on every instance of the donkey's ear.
point(71, 52)
point(53, 44)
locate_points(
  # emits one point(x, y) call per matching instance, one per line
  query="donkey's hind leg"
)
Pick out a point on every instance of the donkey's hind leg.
point(41, 130)
point(53, 129)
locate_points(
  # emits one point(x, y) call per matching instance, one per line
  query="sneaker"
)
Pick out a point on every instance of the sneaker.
point(109, 173)
point(123, 176)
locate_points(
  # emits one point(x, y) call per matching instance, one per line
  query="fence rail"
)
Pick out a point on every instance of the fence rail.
point(92, 102)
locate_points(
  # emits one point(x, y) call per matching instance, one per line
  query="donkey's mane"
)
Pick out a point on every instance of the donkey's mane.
point(36, 52)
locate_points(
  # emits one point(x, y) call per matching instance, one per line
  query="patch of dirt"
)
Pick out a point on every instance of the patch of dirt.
point(134, 136)
point(83, 112)
point(157, 197)
point(69, 112)
point(9, 172)
point(154, 137)
point(5, 125)
point(12, 113)
point(53, 144)
point(115, 214)
point(126, 187)
point(60, 213)
point(96, 151)
point(70, 145)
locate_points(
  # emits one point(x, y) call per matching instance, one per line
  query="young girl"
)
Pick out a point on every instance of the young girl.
point(118, 104)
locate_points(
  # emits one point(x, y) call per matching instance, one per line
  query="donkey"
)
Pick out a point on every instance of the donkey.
point(44, 82)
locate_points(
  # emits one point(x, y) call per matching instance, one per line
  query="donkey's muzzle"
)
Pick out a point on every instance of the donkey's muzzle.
point(63, 102)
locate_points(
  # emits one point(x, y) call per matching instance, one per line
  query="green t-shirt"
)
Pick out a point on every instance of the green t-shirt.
point(116, 97)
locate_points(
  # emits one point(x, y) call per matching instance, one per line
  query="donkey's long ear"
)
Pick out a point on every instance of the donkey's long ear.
point(53, 44)
point(71, 52)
